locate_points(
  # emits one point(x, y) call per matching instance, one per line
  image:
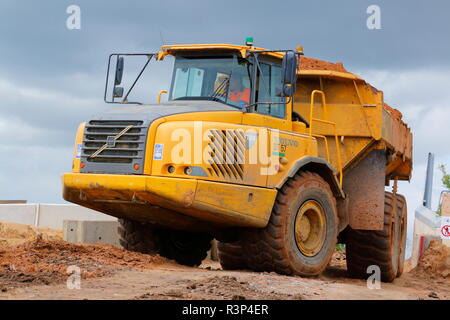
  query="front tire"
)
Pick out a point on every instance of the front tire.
point(187, 248)
point(137, 236)
point(301, 235)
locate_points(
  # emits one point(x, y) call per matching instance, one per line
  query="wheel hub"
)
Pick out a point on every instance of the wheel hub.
point(310, 228)
point(305, 226)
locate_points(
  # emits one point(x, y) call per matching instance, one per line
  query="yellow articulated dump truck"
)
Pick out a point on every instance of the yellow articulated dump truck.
point(277, 156)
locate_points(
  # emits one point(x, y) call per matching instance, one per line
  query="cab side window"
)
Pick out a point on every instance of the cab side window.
point(269, 84)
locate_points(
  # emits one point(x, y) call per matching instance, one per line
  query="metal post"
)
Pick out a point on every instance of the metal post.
point(428, 182)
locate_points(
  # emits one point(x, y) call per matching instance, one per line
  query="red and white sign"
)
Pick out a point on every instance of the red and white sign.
point(445, 227)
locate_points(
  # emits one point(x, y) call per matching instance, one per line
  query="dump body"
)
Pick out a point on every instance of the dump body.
point(353, 135)
point(363, 121)
point(375, 144)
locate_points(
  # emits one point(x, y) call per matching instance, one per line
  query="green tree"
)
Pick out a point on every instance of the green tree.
point(445, 182)
point(445, 176)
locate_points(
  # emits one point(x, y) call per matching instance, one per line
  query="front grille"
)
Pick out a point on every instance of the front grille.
point(227, 153)
point(123, 150)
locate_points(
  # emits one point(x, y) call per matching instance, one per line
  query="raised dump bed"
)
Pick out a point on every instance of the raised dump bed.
point(350, 115)
point(364, 122)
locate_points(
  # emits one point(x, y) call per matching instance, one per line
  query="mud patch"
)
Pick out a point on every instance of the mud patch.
point(16, 233)
point(46, 262)
point(337, 268)
point(434, 263)
point(217, 288)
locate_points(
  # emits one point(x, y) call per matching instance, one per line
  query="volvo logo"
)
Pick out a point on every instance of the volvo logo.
point(110, 142)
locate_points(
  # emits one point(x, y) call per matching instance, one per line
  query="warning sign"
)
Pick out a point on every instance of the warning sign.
point(445, 227)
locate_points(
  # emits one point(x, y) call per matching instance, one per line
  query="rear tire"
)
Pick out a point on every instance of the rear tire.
point(301, 235)
point(383, 248)
point(403, 212)
point(231, 255)
point(187, 248)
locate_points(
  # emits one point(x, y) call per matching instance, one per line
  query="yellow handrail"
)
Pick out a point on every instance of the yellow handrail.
point(311, 107)
point(311, 119)
point(159, 95)
point(326, 144)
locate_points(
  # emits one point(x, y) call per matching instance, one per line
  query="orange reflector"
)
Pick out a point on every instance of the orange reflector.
point(82, 165)
point(136, 166)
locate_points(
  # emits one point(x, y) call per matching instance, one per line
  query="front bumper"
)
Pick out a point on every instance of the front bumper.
point(171, 202)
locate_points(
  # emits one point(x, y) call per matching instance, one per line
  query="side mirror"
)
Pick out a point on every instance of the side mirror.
point(118, 92)
point(119, 71)
point(289, 69)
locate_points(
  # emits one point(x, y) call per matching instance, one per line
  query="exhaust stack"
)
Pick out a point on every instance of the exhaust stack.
point(428, 182)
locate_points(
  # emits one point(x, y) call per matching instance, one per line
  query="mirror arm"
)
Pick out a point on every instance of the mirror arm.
point(125, 99)
point(149, 57)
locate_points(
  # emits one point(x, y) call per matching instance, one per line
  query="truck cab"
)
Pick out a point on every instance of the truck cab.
point(225, 131)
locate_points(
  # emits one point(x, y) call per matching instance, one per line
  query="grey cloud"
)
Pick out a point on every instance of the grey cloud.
point(52, 78)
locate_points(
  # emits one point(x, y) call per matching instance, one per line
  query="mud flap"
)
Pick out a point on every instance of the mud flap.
point(364, 187)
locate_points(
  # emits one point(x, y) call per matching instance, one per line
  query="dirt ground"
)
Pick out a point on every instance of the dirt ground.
point(37, 269)
point(16, 233)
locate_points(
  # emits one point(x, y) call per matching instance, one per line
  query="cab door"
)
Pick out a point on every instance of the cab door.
point(272, 113)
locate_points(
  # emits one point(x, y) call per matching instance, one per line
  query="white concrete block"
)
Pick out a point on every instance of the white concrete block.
point(49, 215)
point(18, 213)
point(91, 232)
point(53, 215)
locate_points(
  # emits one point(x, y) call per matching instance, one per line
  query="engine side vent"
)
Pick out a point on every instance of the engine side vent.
point(227, 154)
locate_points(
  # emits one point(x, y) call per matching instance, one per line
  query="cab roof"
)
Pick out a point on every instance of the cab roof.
point(174, 49)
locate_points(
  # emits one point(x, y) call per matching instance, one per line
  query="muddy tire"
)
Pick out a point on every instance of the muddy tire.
point(231, 255)
point(187, 248)
point(137, 236)
point(301, 235)
point(382, 248)
point(403, 212)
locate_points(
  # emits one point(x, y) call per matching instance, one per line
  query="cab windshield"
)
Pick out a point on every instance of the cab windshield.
point(218, 78)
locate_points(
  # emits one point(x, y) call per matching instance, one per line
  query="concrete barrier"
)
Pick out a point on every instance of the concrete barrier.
point(426, 228)
point(49, 215)
point(18, 213)
point(91, 232)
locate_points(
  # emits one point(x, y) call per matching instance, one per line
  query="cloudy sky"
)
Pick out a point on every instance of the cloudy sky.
point(52, 78)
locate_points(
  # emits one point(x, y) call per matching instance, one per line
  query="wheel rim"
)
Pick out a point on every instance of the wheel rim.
point(310, 228)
